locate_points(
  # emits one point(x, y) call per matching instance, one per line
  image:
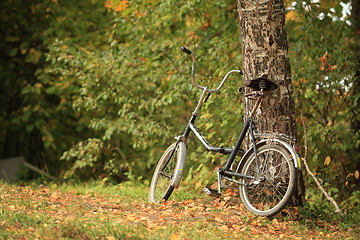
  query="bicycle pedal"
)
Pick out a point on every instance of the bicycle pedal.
point(212, 192)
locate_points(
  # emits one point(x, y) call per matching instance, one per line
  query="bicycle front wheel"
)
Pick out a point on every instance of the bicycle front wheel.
point(272, 183)
point(168, 172)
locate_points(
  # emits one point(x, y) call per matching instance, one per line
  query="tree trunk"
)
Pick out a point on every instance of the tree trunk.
point(265, 54)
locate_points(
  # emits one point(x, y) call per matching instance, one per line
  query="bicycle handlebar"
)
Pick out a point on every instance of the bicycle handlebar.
point(187, 51)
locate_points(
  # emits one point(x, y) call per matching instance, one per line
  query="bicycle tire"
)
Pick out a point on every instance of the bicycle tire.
point(269, 195)
point(167, 169)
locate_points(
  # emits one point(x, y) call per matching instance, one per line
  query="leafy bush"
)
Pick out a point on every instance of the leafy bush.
point(137, 95)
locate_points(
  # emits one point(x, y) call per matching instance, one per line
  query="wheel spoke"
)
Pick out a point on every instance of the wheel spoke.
point(161, 183)
point(269, 194)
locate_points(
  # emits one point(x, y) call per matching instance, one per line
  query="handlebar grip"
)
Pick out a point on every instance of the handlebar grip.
point(185, 50)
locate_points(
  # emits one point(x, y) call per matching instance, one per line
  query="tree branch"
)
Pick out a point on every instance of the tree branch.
point(337, 208)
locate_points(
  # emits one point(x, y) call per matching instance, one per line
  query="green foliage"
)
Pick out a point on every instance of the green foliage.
point(352, 204)
point(324, 61)
point(137, 95)
point(37, 117)
point(317, 206)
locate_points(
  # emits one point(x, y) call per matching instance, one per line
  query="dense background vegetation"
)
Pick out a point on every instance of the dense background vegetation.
point(96, 89)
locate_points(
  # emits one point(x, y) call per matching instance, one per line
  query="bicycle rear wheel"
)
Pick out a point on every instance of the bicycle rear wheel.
point(168, 172)
point(268, 193)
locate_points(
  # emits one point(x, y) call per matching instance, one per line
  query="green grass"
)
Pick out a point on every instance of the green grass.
point(101, 211)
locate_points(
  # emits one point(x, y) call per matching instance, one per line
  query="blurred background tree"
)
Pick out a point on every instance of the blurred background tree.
point(38, 120)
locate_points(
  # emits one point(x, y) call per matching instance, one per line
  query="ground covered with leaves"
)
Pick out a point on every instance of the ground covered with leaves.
point(122, 212)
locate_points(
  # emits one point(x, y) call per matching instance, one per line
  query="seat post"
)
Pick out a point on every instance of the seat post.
point(257, 103)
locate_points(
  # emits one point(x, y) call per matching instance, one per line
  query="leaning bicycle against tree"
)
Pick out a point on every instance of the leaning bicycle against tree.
point(266, 173)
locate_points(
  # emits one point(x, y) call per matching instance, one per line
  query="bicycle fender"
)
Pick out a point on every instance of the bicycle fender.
point(288, 147)
point(180, 163)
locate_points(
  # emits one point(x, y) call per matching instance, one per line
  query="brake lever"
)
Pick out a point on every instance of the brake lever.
point(207, 97)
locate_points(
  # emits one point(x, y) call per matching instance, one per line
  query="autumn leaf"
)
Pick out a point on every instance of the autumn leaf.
point(325, 63)
point(332, 67)
point(275, 222)
point(224, 228)
point(12, 208)
point(327, 161)
point(323, 59)
point(174, 237)
point(291, 15)
point(117, 5)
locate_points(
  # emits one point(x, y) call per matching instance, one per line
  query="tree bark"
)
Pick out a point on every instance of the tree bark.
point(265, 54)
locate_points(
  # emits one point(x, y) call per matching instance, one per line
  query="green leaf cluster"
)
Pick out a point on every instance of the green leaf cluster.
point(136, 95)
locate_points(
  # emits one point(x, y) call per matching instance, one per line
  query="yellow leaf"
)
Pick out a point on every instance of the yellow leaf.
point(33, 55)
point(332, 67)
point(327, 160)
point(224, 228)
point(291, 15)
point(110, 238)
point(12, 208)
point(117, 5)
point(198, 184)
point(275, 222)
point(236, 227)
point(174, 237)
point(357, 174)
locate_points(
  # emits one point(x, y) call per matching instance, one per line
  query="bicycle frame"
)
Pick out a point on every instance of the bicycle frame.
point(249, 124)
point(226, 172)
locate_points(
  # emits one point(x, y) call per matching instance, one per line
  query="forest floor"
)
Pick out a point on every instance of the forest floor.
point(121, 212)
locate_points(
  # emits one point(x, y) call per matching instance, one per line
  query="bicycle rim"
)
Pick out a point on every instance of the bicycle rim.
point(269, 193)
point(161, 182)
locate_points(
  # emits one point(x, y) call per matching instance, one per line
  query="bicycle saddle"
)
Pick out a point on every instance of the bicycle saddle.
point(261, 83)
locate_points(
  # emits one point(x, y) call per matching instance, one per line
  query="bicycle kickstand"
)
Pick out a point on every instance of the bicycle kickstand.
point(213, 192)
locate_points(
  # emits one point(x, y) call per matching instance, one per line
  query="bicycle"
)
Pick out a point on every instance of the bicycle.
point(266, 173)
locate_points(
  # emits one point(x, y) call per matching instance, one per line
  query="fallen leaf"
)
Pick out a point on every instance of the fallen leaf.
point(275, 222)
point(11, 207)
point(174, 237)
point(227, 198)
point(224, 228)
point(236, 227)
